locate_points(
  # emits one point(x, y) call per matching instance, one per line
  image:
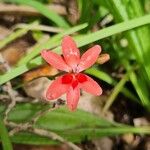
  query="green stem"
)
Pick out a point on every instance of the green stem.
point(115, 92)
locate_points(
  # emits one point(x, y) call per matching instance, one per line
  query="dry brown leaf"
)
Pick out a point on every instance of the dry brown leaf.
point(4, 32)
point(14, 51)
point(45, 70)
point(103, 58)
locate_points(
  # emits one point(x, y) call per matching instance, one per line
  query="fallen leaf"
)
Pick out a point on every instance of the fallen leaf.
point(44, 70)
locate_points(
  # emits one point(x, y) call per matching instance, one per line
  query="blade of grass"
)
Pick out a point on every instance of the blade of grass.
point(6, 143)
point(58, 20)
point(143, 33)
point(144, 99)
point(118, 88)
point(118, 9)
point(101, 75)
point(38, 27)
point(120, 27)
point(85, 12)
point(139, 85)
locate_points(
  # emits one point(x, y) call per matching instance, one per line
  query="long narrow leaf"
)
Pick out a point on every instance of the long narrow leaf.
point(120, 27)
point(4, 137)
point(117, 89)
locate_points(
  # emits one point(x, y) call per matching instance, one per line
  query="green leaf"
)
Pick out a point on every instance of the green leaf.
point(24, 112)
point(117, 89)
point(73, 126)
point(138, 87)
point(79, 134)
point(101, 75)
point(32, 139)
point(93, 133)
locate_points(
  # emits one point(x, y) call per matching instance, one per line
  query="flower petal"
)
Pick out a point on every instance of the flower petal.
point(91, 86)
point(73, 96)
point(55, 60)
point(70, 52)
point(56, 89)
point(89, 58)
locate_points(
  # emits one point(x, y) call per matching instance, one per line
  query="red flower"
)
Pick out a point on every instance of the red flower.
point(73, 81)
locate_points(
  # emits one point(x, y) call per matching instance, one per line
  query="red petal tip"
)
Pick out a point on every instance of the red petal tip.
point(72, 109)
point(100, 92)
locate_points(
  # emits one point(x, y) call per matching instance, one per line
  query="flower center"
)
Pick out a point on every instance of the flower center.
point(74, 83)
point(74, 79)
point(81, 77)
point(67, 79)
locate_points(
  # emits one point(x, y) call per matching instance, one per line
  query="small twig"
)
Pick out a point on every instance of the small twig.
point(12, 9)
point(4, 97)
point(41, 113)
point(53, 136)
point(9, 90)
point(25, 126)
point(13, 100)
point(26, 99)
point(39, 27)
point(19, 99)
point(107, 19)
point(19, 127)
